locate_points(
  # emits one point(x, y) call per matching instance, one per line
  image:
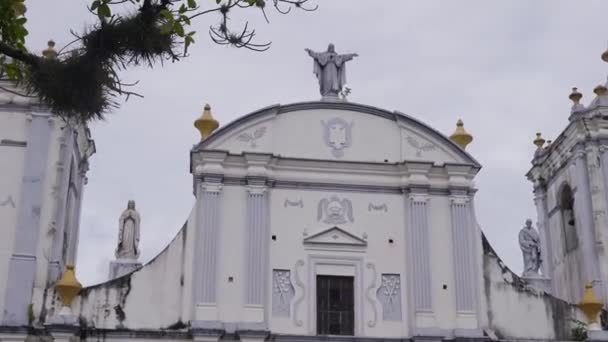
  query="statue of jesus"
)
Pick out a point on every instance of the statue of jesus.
point(330, 69)
point(128, 233)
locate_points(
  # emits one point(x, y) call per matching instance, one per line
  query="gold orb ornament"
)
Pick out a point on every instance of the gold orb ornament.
point(539, 141)
point(575, 96)
point(50, 52)
point(590, 304)
point(460, 136)
point(206, 124)
point(68, 286)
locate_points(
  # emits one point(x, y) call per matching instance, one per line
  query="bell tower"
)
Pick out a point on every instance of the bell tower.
point(570, 177)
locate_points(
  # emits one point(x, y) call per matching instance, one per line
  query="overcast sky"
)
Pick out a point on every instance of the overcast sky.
point(505, 68)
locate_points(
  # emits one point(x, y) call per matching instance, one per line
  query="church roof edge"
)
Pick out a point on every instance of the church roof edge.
point(337, 105)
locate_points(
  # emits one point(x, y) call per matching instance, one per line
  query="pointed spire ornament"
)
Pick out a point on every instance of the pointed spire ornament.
point(50, 52)
point(539, 141)
point(206, 124)
point(460, 136)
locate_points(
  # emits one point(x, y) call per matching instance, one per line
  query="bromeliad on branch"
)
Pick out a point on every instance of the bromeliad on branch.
point(81, 83)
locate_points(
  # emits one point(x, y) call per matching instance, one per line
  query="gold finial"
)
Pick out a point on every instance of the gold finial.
point(539, 141)
point(461, 137)
point(605, 56)
point(50, 52)
point(19, 8)
point(590, 304)
point(68, 286)
point(575, 96)
point(206, 124)
point(600, 90)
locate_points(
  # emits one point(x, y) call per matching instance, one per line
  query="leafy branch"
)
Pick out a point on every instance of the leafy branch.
point(83, 82)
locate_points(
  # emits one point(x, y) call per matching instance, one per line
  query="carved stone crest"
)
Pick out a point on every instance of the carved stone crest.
point(334, 210)
point(337, 135)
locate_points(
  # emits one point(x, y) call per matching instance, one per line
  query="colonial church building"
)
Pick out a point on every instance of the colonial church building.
point(313, 221)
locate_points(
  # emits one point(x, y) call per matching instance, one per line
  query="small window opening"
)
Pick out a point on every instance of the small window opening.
point(568, 219)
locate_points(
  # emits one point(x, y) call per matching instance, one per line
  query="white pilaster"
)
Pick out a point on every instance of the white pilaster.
point(465, 250)
point(256, 250)
point(66, 145)
point(206, 249)
point(584, 218)
point(540, 201)
point(22, 264)
point(420, 252)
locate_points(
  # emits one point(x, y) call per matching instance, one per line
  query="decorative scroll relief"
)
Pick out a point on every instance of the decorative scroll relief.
point(300, 284)
point(372, 323)
point(334, 210)
point(252, 138)
point(337, 135)
point(379, 207)
point(419, 147)
point(389, 295)
point(282, 292)
point(289, 203)
point(8, 201)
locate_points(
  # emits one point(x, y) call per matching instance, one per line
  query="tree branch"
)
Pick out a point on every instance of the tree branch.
point(19, 55)
point(16, 92)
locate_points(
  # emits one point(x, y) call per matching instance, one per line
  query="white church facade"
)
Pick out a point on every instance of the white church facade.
point(313, 221)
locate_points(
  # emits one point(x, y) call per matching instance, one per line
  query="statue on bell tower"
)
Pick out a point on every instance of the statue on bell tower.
point(529, 242)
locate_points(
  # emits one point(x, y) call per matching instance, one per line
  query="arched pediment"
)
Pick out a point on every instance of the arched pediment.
point(338, 131)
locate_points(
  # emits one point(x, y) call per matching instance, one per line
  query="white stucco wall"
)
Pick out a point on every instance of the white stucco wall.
point(516, 311)
point(157, 296)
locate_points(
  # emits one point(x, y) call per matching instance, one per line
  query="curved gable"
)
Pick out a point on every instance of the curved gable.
point(339, 131)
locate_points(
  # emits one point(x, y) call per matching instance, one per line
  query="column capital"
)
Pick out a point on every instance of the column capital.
point(459, 199)
point(419, 197)
point(578, 151)
point(211, 186)
point(254, 189)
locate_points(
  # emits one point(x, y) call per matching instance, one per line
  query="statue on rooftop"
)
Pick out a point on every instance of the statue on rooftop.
point(128, 233)
point(330, 69)
point(529, 242)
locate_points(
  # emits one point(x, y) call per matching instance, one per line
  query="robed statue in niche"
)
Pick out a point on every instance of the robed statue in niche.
point(330, 69)
point(128, 233)
point(529, 242)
